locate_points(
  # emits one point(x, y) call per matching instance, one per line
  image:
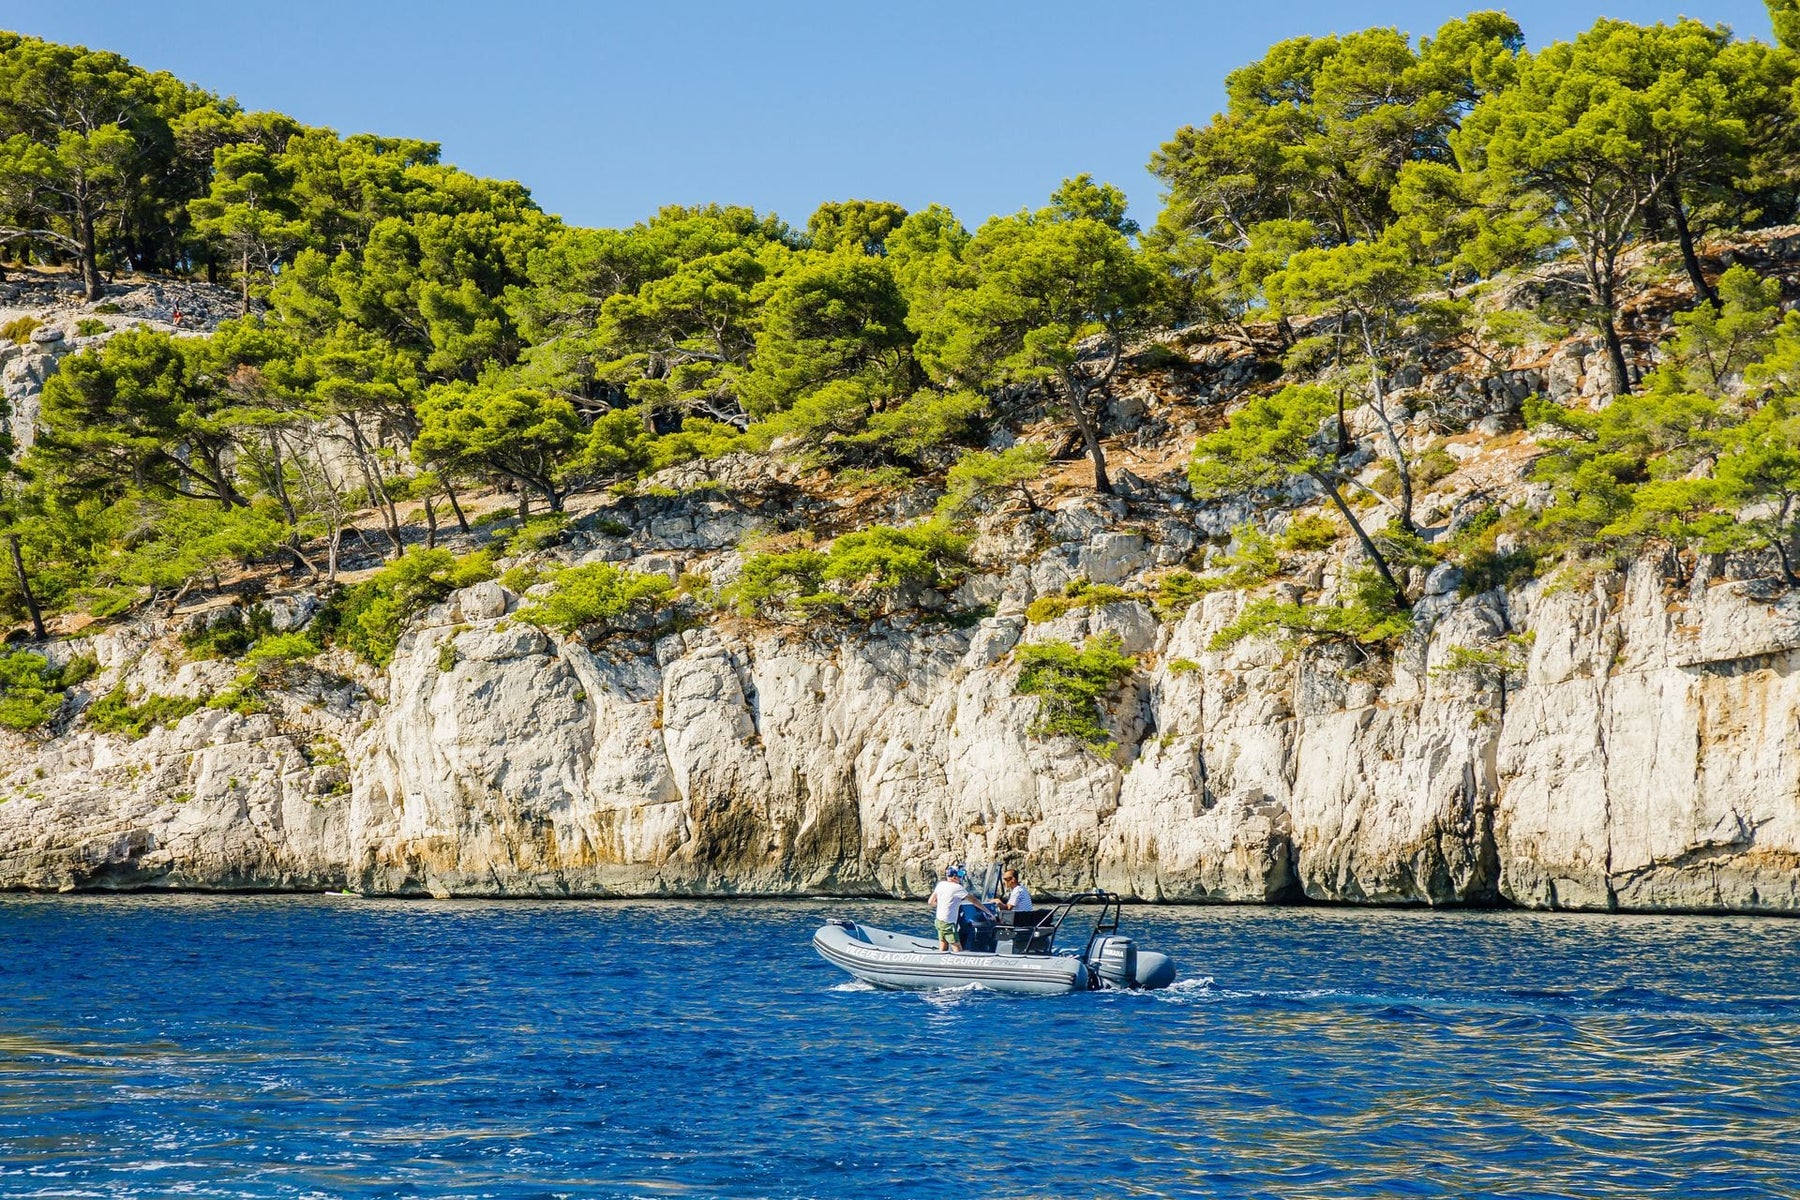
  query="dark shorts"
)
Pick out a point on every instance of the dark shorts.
point(946, 931)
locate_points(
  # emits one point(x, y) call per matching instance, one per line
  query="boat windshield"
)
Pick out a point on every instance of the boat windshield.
point(983, 881)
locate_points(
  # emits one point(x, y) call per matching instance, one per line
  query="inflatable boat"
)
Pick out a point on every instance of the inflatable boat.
point(1015, 952)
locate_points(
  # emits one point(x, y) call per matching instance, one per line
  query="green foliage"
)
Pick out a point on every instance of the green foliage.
point(829, 317)
point(1367, 616)
point(1404, 550)
point(926, 426)
point(1266, 443)
point(537, 533)
point(1712, 345)
point(370, 617)
point(1178, 591)
point(1336, 214)
point(1309, 533)
point(1314, 150)
point(277, 651)
point(698, 438)
point(229, 635)
point(148, 408)
point(1607, 458)
point(1485, 666)
point(521, 434)
point(845, 420)
point(772, 579)
point(189, 541)
point(521, 578)
point(1474, 549)
point(244, 697)
point(876, 564)
point(1751, 501)
point(1029, 293)
point(883, 558)
point(1251, 561)
point(116, 712)
point(1077, 594)
point(1590, 133)
point(598, 594)
point(1073, 686)
point(28, 695)
point(862, 225)
point(250, 211)
point(981, 477)
point(77, 671)
point(1434, 465)
point(19, 329)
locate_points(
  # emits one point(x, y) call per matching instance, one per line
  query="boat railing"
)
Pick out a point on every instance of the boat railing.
point(1036, 930)
point(1106, 921)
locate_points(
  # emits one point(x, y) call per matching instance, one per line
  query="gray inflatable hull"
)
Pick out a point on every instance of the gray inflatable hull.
point(901, 961)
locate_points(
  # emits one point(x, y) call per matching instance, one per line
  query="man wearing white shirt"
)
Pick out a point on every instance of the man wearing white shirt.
point(948, 897)
point(1017, 898)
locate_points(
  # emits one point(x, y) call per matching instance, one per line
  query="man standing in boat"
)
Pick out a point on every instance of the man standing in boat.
point(949, 896)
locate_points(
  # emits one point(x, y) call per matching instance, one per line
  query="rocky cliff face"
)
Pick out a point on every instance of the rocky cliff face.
point(1642, 752)
point(1644, 757)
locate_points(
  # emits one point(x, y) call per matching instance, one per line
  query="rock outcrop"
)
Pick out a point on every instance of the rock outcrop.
point(1620, 743)
point(1643, 757)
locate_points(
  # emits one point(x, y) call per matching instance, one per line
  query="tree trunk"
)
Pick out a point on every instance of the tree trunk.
point(1402, 468)
point(1615, 356)
point(278, 484)
point(300, 558)
point(462, 522)
point(1678, 217)
point(430, 524)
point(25, 592)
point(524, 501)
point(1083, 422)
point(180, 595)
point(212, 473)
point(1362, 536)
point(371, 473)
point(244, 281)
point(89, 254)
point(1781, 542)
point(1600, 283)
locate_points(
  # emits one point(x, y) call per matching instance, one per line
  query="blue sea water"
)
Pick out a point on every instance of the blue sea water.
point(314, 1046)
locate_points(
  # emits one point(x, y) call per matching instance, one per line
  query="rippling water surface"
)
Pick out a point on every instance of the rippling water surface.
point(342, 1047)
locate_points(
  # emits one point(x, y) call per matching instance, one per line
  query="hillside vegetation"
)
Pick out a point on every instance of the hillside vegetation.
point(1370, 210)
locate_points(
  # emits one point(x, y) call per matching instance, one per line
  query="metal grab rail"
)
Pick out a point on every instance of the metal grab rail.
point(1043, 934)
point(1107, 921)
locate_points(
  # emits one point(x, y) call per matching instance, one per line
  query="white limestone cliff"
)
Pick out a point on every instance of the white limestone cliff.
point(1645, 760)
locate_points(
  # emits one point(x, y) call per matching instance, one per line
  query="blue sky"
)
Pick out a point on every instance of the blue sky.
point(607, 110)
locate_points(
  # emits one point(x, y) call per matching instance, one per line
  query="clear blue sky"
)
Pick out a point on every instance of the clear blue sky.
point(608, 110)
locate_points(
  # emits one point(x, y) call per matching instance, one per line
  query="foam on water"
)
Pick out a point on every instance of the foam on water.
point(243, 1047)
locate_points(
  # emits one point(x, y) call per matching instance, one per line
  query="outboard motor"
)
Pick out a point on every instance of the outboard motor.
point(1114, 959)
